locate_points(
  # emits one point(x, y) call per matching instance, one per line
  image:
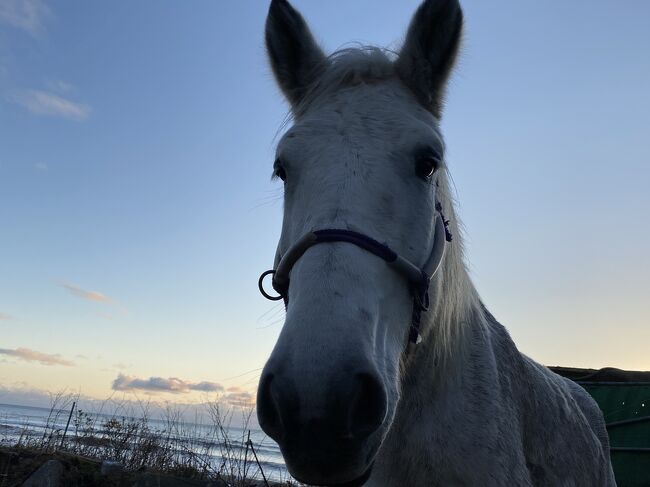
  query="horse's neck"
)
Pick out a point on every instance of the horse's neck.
point(447, 406)
point(492, 414)
point(455, 313)
point(452, 382)
point(460, 336)
point(472, 406)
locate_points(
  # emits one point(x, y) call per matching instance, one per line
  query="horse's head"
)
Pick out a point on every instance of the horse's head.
point(364, 154)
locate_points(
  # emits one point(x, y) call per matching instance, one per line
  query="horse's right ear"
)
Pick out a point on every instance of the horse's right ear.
point(430, 50)
point(295, 57)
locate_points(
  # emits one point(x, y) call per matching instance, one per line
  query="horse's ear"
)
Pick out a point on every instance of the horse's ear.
point(429, 51)
point(295, 57)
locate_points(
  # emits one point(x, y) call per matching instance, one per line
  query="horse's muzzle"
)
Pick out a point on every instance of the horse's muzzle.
point(330, 439)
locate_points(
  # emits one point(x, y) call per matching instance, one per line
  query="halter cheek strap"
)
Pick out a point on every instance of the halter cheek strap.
point(419, 278)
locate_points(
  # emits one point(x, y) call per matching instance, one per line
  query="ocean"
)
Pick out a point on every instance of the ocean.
point(33, 424)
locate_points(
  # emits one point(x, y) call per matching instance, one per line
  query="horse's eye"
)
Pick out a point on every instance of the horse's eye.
point(426, 165)
point(279, 171)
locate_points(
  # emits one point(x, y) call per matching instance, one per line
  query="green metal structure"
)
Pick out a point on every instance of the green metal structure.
point(624, 398)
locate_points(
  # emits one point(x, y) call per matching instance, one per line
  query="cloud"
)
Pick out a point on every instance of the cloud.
point(41, 166)
point(28, 15)
point(160, 384)
point(26, 395)
point(87, 295)
point(206, 386)
point(33, 356)
point(4, 317)
point(239, 399)
point(44, 103)
point(58, 86)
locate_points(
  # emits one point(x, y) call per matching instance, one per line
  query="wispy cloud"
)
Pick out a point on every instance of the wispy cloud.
point(28, 15)
point(30, 355)
point(41, 166)
point(161, 384)
point(57, 85)
point(44, 103)
point(87, 295)
point(4, 317)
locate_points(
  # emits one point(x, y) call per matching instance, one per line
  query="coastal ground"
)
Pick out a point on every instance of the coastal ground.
point(33, 468)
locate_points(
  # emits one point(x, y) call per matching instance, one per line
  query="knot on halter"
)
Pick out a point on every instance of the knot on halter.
point(420, 293)
point(448, 236)
point(418, 277)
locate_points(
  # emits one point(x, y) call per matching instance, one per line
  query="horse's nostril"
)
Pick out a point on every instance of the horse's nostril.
point(267, 410)
point(351, 408)
point(368, 407)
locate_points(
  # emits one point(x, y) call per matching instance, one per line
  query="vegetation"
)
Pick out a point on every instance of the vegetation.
point(200, 449)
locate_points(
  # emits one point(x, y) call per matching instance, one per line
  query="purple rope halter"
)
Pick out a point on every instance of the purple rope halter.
point(419, 278)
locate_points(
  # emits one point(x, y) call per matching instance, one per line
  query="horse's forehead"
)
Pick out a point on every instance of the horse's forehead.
point(376, 111)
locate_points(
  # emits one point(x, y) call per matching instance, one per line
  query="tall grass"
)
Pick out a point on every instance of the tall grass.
point(201, 448)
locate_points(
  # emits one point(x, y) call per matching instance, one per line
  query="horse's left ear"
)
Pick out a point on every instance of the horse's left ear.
point(429, 51)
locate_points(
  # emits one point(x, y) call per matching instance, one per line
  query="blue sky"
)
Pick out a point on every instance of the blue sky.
point(136, 207)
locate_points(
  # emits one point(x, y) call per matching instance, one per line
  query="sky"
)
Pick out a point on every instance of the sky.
point(137, 210)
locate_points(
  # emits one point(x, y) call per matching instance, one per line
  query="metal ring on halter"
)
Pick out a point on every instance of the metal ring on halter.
point(260, 284)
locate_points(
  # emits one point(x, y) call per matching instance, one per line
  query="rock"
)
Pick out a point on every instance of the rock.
point(110, 467)
point(8, 458)
point(48, 475)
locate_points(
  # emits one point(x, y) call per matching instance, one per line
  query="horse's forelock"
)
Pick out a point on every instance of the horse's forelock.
point(348, 67)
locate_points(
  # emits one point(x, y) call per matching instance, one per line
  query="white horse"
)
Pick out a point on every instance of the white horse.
point(365, 386)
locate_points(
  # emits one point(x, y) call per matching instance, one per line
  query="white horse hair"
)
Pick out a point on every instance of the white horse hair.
point(344, 395)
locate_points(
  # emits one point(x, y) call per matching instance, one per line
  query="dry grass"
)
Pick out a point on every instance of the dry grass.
point(198, 449)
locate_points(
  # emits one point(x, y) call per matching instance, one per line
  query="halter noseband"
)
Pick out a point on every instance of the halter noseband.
point(418, 277)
